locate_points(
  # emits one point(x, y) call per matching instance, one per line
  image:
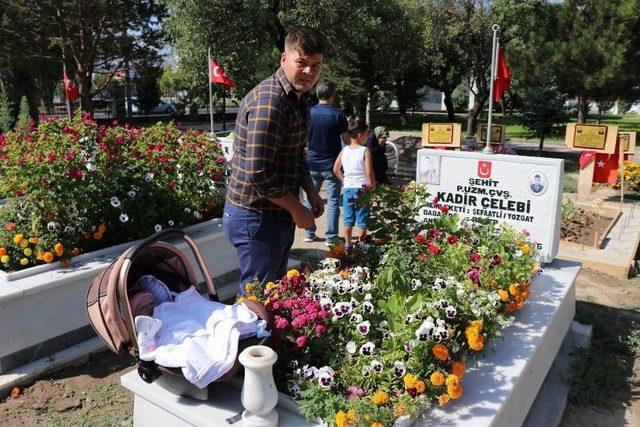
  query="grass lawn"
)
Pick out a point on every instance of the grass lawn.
point(627, 122)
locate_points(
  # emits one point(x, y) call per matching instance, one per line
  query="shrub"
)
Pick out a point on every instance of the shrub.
point(82, 186)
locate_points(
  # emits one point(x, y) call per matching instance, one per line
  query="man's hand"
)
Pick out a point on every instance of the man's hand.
point(302, 217)
point(317, 204)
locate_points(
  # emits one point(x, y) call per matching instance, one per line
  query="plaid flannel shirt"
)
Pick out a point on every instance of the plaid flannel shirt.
point(272, 129)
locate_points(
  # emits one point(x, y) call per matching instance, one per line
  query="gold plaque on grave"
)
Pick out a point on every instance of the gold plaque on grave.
point(598, 138)
point(441, 134)
point(627, 142)
point(497, 133)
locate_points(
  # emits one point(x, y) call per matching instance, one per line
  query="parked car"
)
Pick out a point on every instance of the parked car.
point(164, 108)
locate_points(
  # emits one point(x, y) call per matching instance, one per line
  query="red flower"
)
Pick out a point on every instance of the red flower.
point(475, 257)
point(444, 209)
point(435, 201)
point(433, 249)
point(420, 238)
point(453, 239)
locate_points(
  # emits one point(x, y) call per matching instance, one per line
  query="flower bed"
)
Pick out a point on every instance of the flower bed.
point(384, 331)
point(80, 187)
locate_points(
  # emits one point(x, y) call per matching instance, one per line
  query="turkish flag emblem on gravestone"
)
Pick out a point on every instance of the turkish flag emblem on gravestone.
point(484, 169)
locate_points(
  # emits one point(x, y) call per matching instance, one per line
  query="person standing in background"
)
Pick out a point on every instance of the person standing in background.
point(328, 125)
point(376, 143)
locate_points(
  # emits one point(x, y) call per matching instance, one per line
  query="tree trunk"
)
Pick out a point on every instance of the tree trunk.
point(583, 109)
point(86, 102)
point(541, 145)
point(368, 110)
point(448, 103)
point(472, 120)
point(599, 114)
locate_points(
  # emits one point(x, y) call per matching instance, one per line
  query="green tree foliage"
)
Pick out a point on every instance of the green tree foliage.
point(592, 47)
point(544, 110)
point(6, 119)
point(23, 116)
point(89, 36)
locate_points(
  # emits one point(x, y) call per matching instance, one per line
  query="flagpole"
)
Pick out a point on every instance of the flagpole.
point(66, 96)
point(210, 90)
point(487, 149)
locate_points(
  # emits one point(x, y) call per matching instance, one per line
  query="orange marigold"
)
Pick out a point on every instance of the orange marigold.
point(34, 240)
point(341, 419)
point(380, 398)
point(3, 251)
point(443, 400)
point(454, 389)
point(400, 410)
point(457, 368)
point(59, 249)
point(64, 263)
point(437, 378)
point(18, 238)
point(377, 424)
point(47, 257)
point(102, 229)
point(441, 352)
point(10, 226)
point(97, 235)
point(409, 381)
point(75, 251)
point(420, 387)
point(513, 290)
point(504, 296)
point(352, 417)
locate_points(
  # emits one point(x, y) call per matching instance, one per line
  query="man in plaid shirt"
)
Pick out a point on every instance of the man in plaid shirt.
point(269, 166)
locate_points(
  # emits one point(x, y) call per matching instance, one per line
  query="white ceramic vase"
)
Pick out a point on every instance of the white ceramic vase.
point(259, 394)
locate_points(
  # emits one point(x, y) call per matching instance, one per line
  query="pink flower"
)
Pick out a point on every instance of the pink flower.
point(40, 159)
point(320, 329)
point(475, 257)
point(281, 322)
point(354, 392)
point(51, 157)
point(497, 259)
point(277, 305)
point(453, 239)
point(434, 233)
point(420, 238)
point(301, 341)
point(433, 249)
point(435, 201)
point(474, 276)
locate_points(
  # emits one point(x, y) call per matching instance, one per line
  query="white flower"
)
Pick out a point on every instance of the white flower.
point(410, 345)
point(326, 304)
point(409, 318)
point(367, 307)
point(517, 253)
point(325, 377)
point(451, 312)
point(148, 177)
point(293, 388)
point(132, 194)
point(53, 226)
point(309, 372)
point(355, 318)
point(399, 369)
point(157, 227)
point(91, 166)
point(171, 223)
point(425, 331)
point(115, 202)
point(415, 284)
point(293, 364)
point(363, 327)
point(367, 348)
point(351, 347)
point(439, 284)
point(383, 325)
point(366, 370)
point(377, 366)
point(124, 217)
point(441, 304)
point(70, 230)
point(187, 210)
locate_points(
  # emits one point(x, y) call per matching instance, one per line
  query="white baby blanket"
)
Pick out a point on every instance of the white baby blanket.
point(195, 334)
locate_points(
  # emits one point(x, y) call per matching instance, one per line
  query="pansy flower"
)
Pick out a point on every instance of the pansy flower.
point(367, 348)
point(363, 327)
point(398, 369)
point(376, 366)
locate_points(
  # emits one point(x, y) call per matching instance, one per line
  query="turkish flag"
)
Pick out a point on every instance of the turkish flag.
point(586, 157)
point(216, 75)
point(70, 90)
point(502, 77)
point(606, 170)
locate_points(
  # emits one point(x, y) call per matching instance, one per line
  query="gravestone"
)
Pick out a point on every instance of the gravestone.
point(524, 192)
point(441, 135)
point(498, 133)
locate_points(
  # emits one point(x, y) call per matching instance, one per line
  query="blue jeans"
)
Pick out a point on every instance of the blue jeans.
point(353, 215)
point(262, 242)
point(333, 202)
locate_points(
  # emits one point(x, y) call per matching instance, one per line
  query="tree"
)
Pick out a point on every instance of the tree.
point(446, 46)
point(6, 118)
point(593, 49)
point(23, 116)
point(90, 35)
point(544, 110)
point(148, 72)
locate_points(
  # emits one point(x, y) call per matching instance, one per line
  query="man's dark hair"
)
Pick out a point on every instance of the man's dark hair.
point(307, 40)
point(356, 127)
point(325, 90)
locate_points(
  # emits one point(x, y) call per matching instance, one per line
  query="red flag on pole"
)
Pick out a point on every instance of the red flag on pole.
point(216, 75)
point(502, 77)
point(70, 90)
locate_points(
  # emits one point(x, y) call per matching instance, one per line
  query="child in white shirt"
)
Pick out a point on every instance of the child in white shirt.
point(355, 169)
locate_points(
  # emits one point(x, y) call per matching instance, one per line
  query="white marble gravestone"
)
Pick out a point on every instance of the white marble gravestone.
point(523, 191)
